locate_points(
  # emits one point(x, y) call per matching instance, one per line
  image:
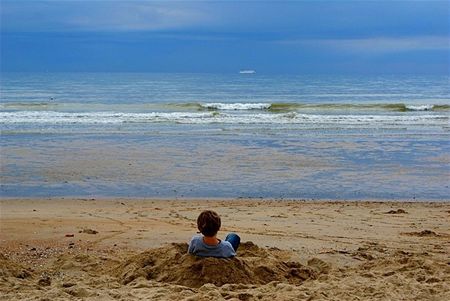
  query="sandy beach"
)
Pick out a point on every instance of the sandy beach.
point(317, 130)
point(134, 249)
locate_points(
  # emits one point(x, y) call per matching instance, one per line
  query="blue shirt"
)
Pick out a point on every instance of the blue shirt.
point(222, 250)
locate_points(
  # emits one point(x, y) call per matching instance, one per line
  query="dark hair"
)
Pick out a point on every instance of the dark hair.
point(208, 223)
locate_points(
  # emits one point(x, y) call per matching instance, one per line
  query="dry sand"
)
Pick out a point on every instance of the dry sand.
point(126, 249)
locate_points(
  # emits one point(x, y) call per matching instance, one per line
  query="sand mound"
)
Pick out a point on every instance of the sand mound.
point(398, 211)
point(253, 265)
point(424, 233)
point(256, 274)
point(9, 268)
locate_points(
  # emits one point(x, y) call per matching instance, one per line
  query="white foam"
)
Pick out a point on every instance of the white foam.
point(51, 117)
point(236, 106)
point(419, 107)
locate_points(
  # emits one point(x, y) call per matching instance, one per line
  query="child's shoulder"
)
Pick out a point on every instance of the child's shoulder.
point(196, 238)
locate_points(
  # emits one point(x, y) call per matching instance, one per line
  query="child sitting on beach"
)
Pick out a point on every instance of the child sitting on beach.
point(208, 245)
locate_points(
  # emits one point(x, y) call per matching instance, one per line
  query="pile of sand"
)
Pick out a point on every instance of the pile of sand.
point(254, 265)
point(10, 269)
point(168, 273)
point(162, 273)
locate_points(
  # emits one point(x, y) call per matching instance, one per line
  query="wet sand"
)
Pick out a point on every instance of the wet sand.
point(132, 249)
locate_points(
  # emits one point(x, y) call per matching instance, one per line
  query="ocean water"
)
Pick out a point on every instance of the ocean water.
point(230, 135)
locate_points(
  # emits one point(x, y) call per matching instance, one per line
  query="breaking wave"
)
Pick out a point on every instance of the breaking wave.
point(236, 106)
point(287, 107)
point(275, 107)
point(419, 108)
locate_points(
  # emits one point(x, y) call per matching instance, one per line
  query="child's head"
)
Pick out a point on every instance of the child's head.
point(208, 223)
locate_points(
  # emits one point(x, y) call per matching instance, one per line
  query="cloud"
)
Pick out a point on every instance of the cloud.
point(35, 16)
point(376, 44)
point(313, 19)
point(136, 17)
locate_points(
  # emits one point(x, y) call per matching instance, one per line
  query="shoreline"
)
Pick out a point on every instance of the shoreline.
point(220, 199)
point(87, 248)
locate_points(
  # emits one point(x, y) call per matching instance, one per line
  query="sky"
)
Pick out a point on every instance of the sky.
point(301, 37)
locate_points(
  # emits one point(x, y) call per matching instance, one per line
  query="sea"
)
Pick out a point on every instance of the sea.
point(237, 135)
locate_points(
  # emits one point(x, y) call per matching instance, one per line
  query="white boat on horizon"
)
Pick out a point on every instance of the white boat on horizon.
point(247, 71)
